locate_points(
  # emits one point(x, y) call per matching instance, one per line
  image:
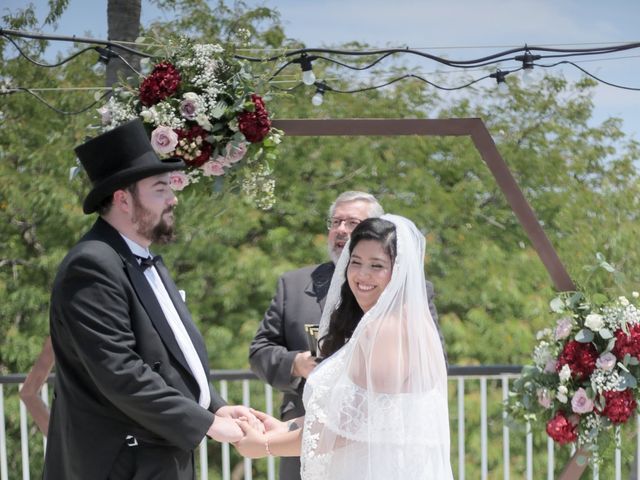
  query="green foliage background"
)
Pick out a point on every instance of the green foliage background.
point(492, 290)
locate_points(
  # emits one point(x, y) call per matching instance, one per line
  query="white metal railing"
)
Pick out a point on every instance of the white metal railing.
point(483, 446)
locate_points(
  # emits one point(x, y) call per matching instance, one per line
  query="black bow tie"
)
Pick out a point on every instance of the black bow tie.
point(146, 262)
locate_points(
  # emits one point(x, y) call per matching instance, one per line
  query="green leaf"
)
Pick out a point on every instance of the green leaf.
point(605, 333)
point(628, 381)
point(557, 305)
point(584, 336)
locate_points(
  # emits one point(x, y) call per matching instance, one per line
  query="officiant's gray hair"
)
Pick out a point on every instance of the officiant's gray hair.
point(375, 209)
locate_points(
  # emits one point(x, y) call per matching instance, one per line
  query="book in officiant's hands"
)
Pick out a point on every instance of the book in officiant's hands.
point(312, 337)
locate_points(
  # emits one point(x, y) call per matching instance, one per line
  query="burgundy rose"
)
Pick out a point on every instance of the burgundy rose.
point(255, 125)
point(581, 358)
point(561, 429)
point(619, 406)
point(161, 83)
point(193, 147)
point(627, 344)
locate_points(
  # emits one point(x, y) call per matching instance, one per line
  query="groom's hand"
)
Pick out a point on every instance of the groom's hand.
point(225, 429)
point(240, 411)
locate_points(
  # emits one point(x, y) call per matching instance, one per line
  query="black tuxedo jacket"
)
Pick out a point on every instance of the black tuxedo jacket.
point(119, 370)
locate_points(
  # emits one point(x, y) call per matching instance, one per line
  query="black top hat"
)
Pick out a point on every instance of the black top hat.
point(118, 158)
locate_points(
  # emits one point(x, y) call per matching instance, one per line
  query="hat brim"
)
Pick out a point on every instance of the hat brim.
point(126, 177)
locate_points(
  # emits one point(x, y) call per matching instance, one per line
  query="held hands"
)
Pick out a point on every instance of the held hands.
point(225, 427)
point(254, 443)
point(303, 364)
point(245, 413)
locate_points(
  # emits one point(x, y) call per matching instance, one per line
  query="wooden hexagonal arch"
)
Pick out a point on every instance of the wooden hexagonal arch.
point(481, 138)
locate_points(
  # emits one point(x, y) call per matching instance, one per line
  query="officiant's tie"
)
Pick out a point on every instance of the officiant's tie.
point(146, 262)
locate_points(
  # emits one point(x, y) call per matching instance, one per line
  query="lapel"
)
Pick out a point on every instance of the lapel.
point(104, 232)
point(318, 287)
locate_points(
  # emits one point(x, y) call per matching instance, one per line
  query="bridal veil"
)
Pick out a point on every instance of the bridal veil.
point(377, 408)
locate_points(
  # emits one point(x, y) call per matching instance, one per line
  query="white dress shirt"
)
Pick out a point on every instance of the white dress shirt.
point(177, 327)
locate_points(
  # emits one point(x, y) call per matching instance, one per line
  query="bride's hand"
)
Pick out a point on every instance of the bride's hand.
point(253, 444)
point(271, 424)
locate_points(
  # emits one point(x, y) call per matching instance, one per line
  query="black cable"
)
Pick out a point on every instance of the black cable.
point(384, 52)
point(589, 74)
point(47, 65)
point(62, 112)
point(327, 88)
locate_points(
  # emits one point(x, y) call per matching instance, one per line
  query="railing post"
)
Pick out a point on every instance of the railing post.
point(4, 471)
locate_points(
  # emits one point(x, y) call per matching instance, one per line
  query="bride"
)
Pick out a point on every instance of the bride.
point(377, 405)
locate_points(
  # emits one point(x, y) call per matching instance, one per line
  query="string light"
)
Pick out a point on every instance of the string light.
point(304, 57)
point(318, 97)
point(527, 65)
point(308, 77)
point(501, 80)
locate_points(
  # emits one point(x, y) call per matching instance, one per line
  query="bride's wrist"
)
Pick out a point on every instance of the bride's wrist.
point(266, 446)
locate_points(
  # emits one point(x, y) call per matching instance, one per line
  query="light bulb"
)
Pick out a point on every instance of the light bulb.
point(308, 77)
point(317, 99)
point(528, 76)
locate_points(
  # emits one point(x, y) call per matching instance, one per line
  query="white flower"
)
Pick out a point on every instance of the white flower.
point(565, 373)
point(623, 301)
point(562, 394)
point(635, 294)
point(149, 115)
point(594, 322)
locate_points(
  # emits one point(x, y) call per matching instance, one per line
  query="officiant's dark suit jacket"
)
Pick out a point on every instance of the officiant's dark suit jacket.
point(119, 370)
point(299, 300)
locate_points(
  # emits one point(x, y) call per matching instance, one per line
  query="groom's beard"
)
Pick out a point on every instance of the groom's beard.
point(160, 232)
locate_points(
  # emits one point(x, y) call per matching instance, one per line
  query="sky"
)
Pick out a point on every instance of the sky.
point(457, 29)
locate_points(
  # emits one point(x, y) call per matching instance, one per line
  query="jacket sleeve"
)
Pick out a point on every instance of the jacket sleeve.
point(92, 314)
point(269, 355)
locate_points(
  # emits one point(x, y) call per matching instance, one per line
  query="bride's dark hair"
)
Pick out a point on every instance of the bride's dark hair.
point(348, 313)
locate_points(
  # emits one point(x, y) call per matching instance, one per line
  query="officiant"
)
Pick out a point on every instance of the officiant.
point(132, 396)
point(280, 352)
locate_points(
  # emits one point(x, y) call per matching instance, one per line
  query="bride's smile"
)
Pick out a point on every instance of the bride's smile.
point(369, 272)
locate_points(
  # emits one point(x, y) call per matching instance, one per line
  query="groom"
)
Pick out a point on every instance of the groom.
point(132, 394)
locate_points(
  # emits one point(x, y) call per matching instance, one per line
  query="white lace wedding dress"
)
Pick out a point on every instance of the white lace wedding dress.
point(377, 408)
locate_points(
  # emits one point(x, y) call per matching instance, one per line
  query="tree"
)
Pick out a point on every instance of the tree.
point(123, 17)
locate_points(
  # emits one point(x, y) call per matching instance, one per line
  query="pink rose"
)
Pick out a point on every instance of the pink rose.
point(178, 180)
point(164, 140)
point(550, 367)
point(580, 403)
point(189, 106)
point(606, 361)
point(544, 397)
point(234, 152)
point(563, 328)
point(212, 168)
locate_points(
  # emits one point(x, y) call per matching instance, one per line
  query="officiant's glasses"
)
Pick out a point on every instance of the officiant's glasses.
point(349, 223)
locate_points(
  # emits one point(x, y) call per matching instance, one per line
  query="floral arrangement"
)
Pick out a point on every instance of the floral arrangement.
point(199, 103)
point(584, 377)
